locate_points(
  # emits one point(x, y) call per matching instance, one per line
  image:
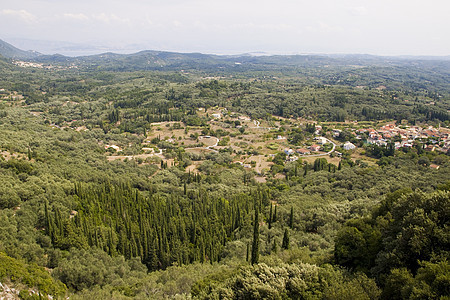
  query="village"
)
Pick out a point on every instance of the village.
point(254, 144)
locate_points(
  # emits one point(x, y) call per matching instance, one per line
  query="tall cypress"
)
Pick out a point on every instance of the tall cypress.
point(248, 252)
point(270, 217)
point(274, 246)
point(291, 218)
point(255, 246)
point(286, 242)
point(274, 217)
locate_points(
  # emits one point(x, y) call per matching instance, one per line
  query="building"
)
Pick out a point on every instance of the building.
point(314, 148)
point(292, 158)
point(321, 140)
point(430, 148)
point(348, 146)
point(288, 151)
point(336, 132)
point(303, 151)
point(244, 118)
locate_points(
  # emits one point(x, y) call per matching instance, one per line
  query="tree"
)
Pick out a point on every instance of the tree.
point(286, 243)
point(255, 245)
point(270, 217)
point(274, 218)
point(274, 246)
point(291, 218)
point(424, 161)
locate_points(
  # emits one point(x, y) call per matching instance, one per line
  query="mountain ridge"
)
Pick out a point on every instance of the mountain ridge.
point(9, 51)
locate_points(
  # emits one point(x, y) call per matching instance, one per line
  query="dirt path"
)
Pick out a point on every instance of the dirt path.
point(324, 154)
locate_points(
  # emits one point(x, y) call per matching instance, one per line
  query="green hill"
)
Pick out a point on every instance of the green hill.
point(9, 51)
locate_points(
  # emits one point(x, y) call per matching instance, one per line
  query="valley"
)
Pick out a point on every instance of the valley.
point(163, 175)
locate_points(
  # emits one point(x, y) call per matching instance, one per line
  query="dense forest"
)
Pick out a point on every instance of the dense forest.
point(75, 223)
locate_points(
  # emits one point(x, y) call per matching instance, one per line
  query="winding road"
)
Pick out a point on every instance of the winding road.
point(324, 154)
point(207, 147)
point(217, 142)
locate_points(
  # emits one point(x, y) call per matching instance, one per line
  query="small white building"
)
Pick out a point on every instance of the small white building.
point(289, 151)
point(217, 116)
point(348, 146)
point(336, 132)
point(244, 118)
point(292, 158)
point(321, 140)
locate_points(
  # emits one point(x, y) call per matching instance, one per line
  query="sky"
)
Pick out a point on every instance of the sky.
point(380, 27)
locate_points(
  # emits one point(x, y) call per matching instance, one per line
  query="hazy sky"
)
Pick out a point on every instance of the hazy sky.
point(384, 27)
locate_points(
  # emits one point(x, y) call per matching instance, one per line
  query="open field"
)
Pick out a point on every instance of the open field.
point(251, 143)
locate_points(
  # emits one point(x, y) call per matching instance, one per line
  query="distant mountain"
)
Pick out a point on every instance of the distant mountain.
point(220, 64)
point(9, 51)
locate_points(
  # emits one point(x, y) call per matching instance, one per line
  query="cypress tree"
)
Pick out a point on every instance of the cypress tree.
point(255, 245)
point(285, 244)
point(248, 252)
point(270, 217)
point(274, 218)
point(274, 246)
point(291, 218)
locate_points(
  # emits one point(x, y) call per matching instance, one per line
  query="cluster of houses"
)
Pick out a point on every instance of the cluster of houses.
point(302, 151)
point(405, 137)
point(305, 151)
point(27, 64)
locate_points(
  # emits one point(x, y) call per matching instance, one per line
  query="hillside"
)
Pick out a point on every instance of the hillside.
point(369, 71)
point(9, 51)
point(162, 175)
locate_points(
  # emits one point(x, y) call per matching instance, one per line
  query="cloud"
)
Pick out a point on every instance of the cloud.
point(78, 17)
point(110, 18)
point(21, 14)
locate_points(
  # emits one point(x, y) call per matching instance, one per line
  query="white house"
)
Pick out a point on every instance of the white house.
point(321, 140)
point(336, 132)
point(289, 151)
point(348, 146)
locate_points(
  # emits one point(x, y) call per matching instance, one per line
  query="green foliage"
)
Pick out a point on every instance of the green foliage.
point(159, 230)
point(291, 281)
point(83, 269)
point(255, 243)
point(407, 229)
point(101, 224)
point(30, 275)
point(285, 244)
point(431, 282)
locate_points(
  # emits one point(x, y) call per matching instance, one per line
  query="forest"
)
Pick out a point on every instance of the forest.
point(76, 222)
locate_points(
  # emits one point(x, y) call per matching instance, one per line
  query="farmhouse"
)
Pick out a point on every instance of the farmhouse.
point(315, 148)
point(303, 151)
point(321, 140)
point(288, 151)
point(348, 146)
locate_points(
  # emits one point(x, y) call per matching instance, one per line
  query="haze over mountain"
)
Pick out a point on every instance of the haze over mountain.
point(50, 50)
point(9, 51)
point(280, 27)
